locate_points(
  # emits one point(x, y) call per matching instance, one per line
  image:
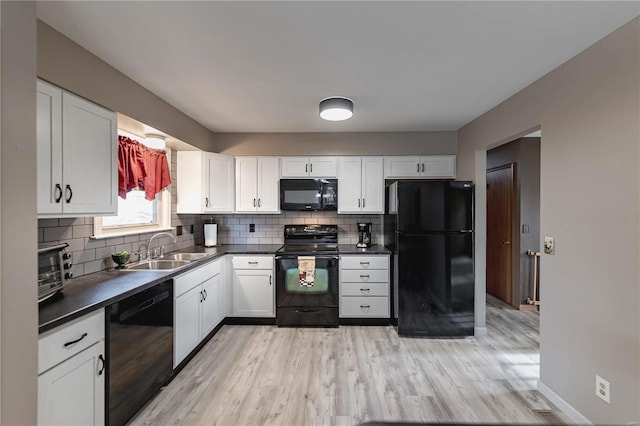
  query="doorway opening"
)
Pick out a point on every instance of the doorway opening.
point(513, 222)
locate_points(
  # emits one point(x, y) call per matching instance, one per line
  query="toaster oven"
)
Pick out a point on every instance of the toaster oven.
point(53, 270)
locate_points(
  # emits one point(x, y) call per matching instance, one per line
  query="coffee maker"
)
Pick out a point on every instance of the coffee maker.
point(364, 235)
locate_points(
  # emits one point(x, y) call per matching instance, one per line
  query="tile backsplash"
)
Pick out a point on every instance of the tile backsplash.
point(269, 229)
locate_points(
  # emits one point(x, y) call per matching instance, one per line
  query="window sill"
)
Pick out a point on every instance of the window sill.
point(127, 233)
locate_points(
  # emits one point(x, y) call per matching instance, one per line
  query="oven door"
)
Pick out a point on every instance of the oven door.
point(291, 293)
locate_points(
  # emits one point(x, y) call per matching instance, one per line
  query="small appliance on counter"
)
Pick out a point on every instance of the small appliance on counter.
point(364, 235)
point(210, 234)
point(53, 270)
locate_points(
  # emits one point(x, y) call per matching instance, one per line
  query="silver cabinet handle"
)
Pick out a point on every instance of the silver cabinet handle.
point(252, 263)
point(311, 167)
point(306, 168)
point(365, 276)
point(259, 202)
point(506, 242)
point(364, 263)
point(254, 202)
point(363, 203)
point(269, 279)
point(422, 167)
point(358, 202)
point(206, 201)
point(205, 294)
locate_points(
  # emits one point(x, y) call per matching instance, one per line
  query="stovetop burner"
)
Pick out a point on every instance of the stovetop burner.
point(310, 239)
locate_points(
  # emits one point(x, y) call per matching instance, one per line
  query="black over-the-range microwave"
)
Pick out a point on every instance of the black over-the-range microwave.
point(308, 194)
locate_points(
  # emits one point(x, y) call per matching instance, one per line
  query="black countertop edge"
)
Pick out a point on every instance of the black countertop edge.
point(90, 292)
point(352, 249)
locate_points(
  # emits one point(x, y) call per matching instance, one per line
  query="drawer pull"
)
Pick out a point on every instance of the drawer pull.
point(365, 276)
point(75, 341)
point(365, 306)
point(364, 263)
point(101, 359)
point(253, 263)
point(365, 289)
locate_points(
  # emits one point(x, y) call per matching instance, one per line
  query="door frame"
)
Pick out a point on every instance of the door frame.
point(514, 226)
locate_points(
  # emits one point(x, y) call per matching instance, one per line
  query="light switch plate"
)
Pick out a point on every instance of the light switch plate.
point(549, 245)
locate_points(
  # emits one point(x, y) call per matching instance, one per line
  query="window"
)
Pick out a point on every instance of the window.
point(136, 214)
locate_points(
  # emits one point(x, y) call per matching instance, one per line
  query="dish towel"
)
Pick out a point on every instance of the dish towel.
point(306, 270)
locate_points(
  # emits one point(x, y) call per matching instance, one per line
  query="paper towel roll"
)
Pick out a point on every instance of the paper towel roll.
point(210, 234)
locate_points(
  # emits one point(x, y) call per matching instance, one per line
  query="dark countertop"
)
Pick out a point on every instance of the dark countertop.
point(352, 249)
point(94, 291)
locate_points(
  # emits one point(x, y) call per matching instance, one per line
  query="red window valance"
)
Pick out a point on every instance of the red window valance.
point(140, 167)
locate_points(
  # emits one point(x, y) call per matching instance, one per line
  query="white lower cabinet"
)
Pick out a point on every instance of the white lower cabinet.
point(197, 307)
point(253, 286)
point(71, 368)
point(364, 286)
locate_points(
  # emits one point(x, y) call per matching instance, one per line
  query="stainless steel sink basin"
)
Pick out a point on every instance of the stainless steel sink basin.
point(185, 256)
point(154, 265)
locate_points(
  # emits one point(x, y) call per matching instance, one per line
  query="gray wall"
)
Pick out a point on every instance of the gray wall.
point(18, 308)
point(588, 110)
point(66, 64)
point(347, 143)
point(525, 152)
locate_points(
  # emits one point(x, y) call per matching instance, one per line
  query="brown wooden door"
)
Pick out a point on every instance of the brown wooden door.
point(500, 197)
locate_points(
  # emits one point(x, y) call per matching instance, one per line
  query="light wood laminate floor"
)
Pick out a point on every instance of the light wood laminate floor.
point(254, 375)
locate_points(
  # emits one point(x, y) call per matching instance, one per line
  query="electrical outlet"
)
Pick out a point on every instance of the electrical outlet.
point(603, 389)
point(252, 227)
point(549, 245)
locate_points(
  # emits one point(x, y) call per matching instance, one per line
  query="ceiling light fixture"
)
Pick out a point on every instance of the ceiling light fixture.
point(155, 141)
point(336, 108)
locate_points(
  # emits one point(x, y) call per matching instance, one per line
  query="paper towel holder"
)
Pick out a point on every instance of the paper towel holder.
point(210, 235)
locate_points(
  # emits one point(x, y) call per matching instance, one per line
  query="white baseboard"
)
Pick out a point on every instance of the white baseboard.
point(479, 331)
point(573, 414)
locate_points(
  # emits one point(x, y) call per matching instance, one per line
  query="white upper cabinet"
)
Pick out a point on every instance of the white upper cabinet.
point(302, 167)
point(360, 185)
point(429, 166)
point(77, 155)
point(257, 185)
point(205, 182)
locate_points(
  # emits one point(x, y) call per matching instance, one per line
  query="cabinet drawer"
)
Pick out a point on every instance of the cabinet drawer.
point(69, 339)
point(364, 262)
point(365, 289)
point(185, 282)
point(252, 262)
point(364, 307)
point(364, 276)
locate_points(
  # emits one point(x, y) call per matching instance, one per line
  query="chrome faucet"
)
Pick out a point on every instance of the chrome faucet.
point(159, 234)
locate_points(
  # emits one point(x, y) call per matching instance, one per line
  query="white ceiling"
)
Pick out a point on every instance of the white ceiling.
point(264, 66)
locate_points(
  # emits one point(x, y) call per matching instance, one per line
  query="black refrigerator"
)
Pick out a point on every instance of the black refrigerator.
point(429, 229)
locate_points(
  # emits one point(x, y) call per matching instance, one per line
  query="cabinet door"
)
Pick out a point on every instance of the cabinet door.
point(323, 167)
point(220, 183)
point(439, 166)
point(372, 185)
point(89, 162)
point(293, 167)
point(73, 393)
point(211, 309)
point(187, 323)
point(268, 185)
point(253, 293)
point(49, 148)
point(191, 188)
point(401, 167)
point(246, 184)
point(349, 185)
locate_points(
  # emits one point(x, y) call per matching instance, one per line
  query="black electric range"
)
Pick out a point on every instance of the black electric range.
point(298, 302)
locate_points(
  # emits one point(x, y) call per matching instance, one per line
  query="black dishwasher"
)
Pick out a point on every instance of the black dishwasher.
point(140, 348)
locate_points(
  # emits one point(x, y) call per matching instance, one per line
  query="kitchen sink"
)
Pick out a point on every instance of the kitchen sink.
point(154, 265)
point(185, 256)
